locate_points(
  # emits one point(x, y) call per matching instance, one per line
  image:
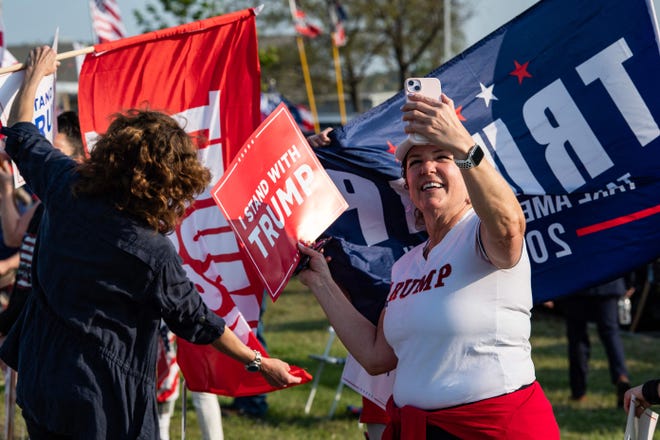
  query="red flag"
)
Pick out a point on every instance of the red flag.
point(106, 20)
point(207, 75)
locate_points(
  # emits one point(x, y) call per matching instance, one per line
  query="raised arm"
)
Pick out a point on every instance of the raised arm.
point(14, 225)
point(40, 62)
point(365, 341)
point(502, 219)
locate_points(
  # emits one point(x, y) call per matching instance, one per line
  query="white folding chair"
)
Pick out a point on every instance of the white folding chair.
point(324, 359)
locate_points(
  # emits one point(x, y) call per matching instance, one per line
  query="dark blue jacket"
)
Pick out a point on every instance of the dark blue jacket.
point(616, 287)
point(85, 344)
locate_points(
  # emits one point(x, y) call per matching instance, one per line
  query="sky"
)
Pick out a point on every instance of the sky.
point(34, 21)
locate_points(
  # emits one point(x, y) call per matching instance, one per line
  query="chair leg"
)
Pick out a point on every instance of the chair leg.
point(336, 400)
point(317, 376)
point(315, 384)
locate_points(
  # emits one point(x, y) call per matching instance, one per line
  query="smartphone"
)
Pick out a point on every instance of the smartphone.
point(304, 260)
point(429, 87)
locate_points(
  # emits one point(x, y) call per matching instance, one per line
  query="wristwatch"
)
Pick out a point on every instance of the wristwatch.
point(254, 365)
point(475, 155)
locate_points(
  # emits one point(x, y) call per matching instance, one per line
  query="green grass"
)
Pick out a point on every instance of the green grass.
point(296, 327)
point(597, 417)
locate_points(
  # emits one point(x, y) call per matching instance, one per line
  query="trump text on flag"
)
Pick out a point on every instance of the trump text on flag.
point(276, 193)
point(574, 132)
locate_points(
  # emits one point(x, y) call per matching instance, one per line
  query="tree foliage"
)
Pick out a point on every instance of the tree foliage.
point(403, 37)
point(160, 14)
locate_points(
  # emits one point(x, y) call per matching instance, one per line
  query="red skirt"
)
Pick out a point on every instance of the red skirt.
point(522, 414)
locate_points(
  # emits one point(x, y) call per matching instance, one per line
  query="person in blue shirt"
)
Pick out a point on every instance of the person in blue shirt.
point(105, 274)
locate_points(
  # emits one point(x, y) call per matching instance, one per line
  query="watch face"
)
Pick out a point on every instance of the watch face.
point(252, 368)
point(477, 155)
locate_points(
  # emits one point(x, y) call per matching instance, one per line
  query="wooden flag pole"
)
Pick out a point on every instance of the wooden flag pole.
point(340, 82)
point(60, 56)
point(308, 83)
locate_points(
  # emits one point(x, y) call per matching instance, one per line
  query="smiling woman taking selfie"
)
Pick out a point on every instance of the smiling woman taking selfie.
point(456, 324)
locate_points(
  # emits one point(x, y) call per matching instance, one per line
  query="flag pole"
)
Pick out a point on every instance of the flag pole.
point(340, 83)
point(447, 29)
point(308, 83)
point(60, 56)
point(305, 68)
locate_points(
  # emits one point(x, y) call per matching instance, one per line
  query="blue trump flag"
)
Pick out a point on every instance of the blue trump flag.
point(565, 98)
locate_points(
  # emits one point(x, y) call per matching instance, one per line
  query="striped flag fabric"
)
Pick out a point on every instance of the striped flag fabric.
point(167, 369)
point(106, 20)
point(6, 58)
point(301, 114)
point(337, 17)
point(301, 23)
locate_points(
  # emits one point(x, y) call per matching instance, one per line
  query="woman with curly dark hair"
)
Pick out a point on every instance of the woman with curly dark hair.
point(147, 165)
point(105, 274)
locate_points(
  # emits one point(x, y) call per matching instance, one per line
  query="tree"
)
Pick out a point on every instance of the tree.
point(160, 14)
point(414, 32)
point(405, 36)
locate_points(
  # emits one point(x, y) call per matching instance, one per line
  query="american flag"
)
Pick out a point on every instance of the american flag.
point(6, 58)
point(106, 20)
point(338, 16)
point(301, 23)
point(301, 114)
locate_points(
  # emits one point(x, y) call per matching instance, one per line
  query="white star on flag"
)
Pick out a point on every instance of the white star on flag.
point(487, 94)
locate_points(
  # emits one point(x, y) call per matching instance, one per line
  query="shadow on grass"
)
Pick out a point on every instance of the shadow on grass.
point(298, 326)
point(591, 421)
point(276, 418)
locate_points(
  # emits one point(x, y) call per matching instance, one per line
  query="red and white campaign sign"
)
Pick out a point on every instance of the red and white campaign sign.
point(276, 193)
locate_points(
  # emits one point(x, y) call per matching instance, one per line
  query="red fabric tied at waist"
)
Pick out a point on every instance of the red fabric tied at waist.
point(522, 414)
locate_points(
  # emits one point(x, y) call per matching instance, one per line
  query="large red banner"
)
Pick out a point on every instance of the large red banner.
point(206, 74)
point(276, 193)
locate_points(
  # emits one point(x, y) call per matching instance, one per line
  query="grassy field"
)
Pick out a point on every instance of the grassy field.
point(296, 327)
